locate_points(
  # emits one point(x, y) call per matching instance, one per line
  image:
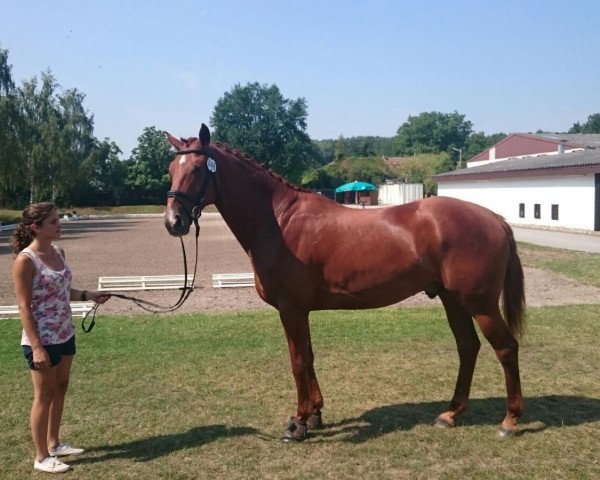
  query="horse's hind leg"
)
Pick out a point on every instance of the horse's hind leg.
point(507, 350)
point(467, 342)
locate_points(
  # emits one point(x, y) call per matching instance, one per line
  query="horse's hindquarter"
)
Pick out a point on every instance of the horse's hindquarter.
point(473, 248)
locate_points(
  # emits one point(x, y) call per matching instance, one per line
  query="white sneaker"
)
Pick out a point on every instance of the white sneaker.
point(51, 465)
point(65, 449)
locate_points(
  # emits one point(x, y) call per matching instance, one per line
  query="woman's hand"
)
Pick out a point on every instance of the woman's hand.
point(98, 297)
point(41, 360)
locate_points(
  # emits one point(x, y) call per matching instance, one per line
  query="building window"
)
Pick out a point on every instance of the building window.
point(554, 211)
point(537, 213)
point(521, 210)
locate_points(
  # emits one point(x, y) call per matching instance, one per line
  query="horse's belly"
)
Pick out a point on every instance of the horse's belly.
point(374, 297)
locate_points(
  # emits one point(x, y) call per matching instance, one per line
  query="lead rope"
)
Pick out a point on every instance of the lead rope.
point(150, 306)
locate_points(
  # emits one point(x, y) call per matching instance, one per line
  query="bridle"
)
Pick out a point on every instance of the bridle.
point(181, 197)
point(194, 215)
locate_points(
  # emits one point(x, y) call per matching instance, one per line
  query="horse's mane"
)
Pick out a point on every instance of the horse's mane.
point(244, 157)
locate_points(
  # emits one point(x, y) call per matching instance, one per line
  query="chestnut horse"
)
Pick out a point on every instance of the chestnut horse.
point(310, 253)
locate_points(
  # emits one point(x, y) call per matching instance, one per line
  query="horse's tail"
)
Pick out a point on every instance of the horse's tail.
point(513, 294)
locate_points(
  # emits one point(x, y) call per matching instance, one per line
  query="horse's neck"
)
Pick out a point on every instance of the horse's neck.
point(251, 201)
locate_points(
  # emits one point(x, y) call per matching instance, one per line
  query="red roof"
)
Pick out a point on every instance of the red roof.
point(520, 144)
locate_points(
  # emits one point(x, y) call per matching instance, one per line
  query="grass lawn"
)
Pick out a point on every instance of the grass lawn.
point(207, 396)
point(582, 266)
point(9, 216)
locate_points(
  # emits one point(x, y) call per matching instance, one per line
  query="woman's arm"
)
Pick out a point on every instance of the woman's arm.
point(85, 295)
point(23, 272)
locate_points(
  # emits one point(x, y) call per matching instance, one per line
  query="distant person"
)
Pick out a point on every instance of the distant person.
point(43, 288)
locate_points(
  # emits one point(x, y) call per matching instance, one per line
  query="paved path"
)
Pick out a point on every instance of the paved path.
point(570, 241)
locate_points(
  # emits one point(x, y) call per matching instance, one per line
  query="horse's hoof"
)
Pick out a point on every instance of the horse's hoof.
point(443, 423)
point(315, 421)
point(506, 432)
point(295, 432)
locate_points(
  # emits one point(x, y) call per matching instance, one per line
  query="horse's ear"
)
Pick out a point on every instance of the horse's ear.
point(173, 141)
point(204, 135)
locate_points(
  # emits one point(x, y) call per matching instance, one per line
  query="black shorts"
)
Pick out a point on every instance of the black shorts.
point(55, 352)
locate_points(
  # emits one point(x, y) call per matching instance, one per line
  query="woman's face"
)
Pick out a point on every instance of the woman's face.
point(50, 227)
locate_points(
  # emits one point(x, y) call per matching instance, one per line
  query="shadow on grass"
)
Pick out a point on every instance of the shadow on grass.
point(544, 412)
point(150, 448)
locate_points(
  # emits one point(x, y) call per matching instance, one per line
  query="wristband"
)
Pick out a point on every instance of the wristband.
point(84, 295)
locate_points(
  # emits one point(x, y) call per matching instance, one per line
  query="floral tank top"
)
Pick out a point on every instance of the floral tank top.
point(51, 292)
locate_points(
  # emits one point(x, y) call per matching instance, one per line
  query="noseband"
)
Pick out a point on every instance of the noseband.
point(181, 197)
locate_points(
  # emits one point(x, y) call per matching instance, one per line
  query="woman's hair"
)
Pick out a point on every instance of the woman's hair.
point(35, 213)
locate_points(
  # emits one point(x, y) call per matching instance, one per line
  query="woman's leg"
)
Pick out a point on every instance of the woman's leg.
point(63, 371)
point(44, 386)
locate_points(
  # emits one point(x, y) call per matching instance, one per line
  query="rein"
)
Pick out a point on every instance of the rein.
point(194, 215)
point(150, 306)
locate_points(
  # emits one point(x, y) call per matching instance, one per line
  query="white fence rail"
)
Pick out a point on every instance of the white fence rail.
point(143, 282)
point(230, 280)
point(78, 309)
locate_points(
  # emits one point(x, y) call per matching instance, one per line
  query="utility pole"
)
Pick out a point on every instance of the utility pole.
point(459, 150)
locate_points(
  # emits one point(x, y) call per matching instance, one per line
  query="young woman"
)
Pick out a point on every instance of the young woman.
point(43, 289)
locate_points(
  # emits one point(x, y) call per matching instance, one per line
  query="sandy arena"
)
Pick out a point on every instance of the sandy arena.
point(142, 246)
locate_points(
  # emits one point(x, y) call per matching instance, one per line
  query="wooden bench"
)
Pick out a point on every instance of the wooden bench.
point(230, 280)
point(78, 309)
point(143, 282)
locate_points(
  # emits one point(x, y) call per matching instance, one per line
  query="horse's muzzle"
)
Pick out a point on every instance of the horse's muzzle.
point(176, 223)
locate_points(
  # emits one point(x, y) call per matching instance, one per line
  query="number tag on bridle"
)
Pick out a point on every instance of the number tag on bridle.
point(211, 165)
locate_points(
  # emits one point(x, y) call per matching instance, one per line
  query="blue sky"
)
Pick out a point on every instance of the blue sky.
point(362, 66)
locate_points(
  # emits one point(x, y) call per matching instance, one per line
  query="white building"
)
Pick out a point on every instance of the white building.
point(557, 188)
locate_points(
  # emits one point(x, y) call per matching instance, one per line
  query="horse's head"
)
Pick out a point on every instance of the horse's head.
point(191, 173)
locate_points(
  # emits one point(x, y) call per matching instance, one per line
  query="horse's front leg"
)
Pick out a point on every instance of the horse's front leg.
point(295, 325)
point(316, 398)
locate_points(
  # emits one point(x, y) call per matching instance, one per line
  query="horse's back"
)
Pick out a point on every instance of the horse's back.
point(424, 230)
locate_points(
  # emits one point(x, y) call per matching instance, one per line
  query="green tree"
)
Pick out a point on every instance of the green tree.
point(260, 121)
point(56, 137)
point(40, 135)
point(420, 169)
point(360, 146)
point(147, 168)
point(369, 169)
point(592, 125)
point(11, 172)
point(433, 132)
point(47, 144)
point(77, 146)
point(341, 149)
point(104, 176)
point(326, 149)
